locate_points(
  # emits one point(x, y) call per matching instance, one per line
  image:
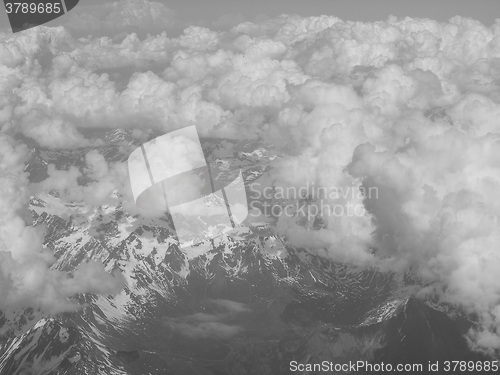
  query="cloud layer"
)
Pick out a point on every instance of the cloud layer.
point(26, 278)
point(407, 106)
point(221, 322)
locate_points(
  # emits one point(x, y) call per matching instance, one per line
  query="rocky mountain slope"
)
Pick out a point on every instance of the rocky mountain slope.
point(244, 303)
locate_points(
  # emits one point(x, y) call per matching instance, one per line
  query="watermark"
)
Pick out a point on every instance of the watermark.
point(312, 191)
point(310, 200)
point(170, 174)
point(27, 14)
point(452, 367)
point(357, 366)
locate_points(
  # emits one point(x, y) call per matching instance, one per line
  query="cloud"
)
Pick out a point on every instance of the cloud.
point(406, 106)
point(210, 325)
point(199, 38)
point(94, 183)
point(120, 16)
point(93, 278)
point(229, 20)
point(204, 326)
point(27, 279)
point(52, 132)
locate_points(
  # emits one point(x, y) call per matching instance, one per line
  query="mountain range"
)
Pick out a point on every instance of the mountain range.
point(244, 303)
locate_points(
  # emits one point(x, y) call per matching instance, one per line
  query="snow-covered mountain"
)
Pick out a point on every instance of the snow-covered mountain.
point(243, 303)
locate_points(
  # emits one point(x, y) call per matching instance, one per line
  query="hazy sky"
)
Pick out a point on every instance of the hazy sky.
point(484, 10)
point(211, 12)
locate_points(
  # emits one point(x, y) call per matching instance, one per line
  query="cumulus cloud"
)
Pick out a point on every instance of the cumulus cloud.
point(406, 106)
point(94, 183)
point(122, 16)
point(52, 132)
point(219, 323)
point(27, 279)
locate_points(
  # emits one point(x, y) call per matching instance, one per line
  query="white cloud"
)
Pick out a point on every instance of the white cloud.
point(123, 15)
point(348, 102)
point(217, 323)
point(26, 277)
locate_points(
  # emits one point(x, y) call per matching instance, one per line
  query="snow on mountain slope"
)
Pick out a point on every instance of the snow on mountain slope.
point(243, 303)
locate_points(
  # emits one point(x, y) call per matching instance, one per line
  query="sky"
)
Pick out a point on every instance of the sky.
point(357, 10)
point(220, 13)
